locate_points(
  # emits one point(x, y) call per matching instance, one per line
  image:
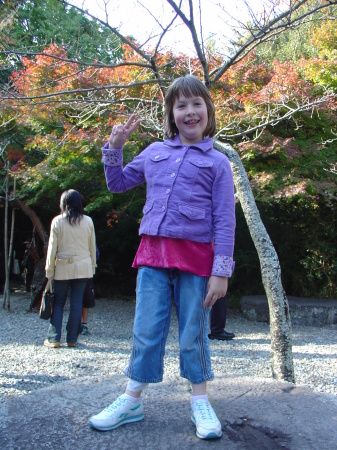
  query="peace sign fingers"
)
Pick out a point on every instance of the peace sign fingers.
point(120, 133)
point(131, 124)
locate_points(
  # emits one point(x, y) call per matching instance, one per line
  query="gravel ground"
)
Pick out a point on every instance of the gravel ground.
point(26, 365)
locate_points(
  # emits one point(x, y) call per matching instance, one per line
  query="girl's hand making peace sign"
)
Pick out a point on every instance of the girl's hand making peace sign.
point(120, 133)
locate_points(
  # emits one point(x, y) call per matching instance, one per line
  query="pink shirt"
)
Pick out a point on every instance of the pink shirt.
point(171, 253)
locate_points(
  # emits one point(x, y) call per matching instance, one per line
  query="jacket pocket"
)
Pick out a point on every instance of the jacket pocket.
point(192, 212)
point(160, 156)
point(201, 163)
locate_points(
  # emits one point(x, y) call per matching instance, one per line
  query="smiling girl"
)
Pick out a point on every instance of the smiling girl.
point(186, 250)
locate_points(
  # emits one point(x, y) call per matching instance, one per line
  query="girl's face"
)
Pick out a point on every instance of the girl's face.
point(191, 118)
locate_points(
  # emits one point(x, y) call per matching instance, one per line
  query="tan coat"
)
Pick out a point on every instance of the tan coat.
point(71, 249)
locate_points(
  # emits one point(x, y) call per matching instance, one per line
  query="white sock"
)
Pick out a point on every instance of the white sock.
point(132, 399)
point(199, 397)
point(135, 386)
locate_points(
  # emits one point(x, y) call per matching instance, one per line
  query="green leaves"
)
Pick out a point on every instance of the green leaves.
point(40, 23)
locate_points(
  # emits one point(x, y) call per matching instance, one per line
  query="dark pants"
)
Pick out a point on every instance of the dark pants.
point(29, 279)
point(61, 288)
point(218, 315)
point(89, 294)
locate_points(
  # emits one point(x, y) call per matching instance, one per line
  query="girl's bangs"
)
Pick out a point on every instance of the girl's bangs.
point(189, 90)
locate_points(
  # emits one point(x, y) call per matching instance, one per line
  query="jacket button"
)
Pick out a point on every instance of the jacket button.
point(173, 175)
point(157, 156)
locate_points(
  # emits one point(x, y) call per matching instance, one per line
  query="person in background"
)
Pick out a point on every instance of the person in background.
point(71, 261)
point(189, 205)
point(218, 321)
point(29, 262)
point(219, 313)
point(88, 301)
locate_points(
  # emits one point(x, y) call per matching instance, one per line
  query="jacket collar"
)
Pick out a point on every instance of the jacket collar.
point(205, 145)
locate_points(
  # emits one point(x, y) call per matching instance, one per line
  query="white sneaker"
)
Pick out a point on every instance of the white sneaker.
point(205, 419)
point(121, 411)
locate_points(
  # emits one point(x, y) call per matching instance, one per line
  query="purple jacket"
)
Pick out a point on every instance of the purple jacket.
point(189, 195)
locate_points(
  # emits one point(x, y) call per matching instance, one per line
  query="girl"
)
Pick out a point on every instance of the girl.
point(186, 250)
point(71, 260)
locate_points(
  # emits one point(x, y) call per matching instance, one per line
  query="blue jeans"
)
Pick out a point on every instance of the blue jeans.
point(61, 288)
point(157, 289)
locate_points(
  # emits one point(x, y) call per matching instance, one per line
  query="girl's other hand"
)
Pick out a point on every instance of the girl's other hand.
point(217, 288)
point(120, 133)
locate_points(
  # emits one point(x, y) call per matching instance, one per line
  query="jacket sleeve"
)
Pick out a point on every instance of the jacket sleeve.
point(92, 248)
point(119, 179)
point(52, 249)
point(223, 216)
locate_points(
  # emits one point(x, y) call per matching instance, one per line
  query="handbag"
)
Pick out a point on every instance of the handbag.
point(47, 303)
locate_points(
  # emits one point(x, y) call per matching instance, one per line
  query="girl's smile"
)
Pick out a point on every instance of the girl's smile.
point(191, 117)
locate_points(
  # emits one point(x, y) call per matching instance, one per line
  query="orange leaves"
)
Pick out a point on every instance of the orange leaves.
point(254, 93)
point(16, 159)
point(44, 74)
point(52, 72)
point(286, 80)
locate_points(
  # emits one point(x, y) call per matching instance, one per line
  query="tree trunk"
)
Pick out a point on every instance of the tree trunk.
point(37, 225)
point(35, 221)
point(6, 293)
point(280, 323)
point(10, 251)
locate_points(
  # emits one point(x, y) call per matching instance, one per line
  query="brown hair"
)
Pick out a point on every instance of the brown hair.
point(189, 86)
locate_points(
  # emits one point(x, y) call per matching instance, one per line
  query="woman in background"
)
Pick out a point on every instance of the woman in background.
point(71, 261)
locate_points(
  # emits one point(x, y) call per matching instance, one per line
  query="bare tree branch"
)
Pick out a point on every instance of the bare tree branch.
point(262, 32)
point(274, 118)
point(78, 91)
point(122, 38)
point(191, 26)
point(75, 61)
